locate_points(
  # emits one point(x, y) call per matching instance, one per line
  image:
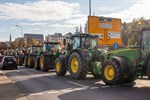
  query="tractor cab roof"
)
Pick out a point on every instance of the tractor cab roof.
point(84, 35)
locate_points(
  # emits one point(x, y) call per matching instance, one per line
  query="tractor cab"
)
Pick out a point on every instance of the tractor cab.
point(36, 49)
point(140, 39)
point(51, 46)
point(84, 41)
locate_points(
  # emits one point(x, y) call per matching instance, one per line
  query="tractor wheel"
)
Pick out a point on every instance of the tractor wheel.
point(60, 66)
point(37, 63)
point(26, 61)
point(148, 70)
point(111, 72)
point(20, 60)
point(44, 63)
point(77, 66)
point(31, 62)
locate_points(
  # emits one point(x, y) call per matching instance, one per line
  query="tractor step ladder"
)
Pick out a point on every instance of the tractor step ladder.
point(139, 71)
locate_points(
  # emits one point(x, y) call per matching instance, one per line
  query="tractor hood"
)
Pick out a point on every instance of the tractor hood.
point(129, 53)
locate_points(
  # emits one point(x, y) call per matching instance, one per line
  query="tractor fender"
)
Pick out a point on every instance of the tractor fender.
point(123, 63)
point(83, 53)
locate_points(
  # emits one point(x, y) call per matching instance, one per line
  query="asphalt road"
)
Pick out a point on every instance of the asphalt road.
point(37, 85)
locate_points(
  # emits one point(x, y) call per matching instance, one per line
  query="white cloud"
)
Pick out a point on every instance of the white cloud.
point(34, 24)
point(40, 11)
point(60, 25)
point(140, 9)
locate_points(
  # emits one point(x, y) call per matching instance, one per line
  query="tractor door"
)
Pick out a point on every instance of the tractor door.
point(146, 43)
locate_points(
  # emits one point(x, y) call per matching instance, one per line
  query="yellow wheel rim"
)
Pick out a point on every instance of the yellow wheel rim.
point(74, 65)
point(42, 62)
point(109, 72)
point(57, 66)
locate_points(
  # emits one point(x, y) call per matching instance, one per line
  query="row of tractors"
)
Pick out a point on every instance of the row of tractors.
point(83, 55)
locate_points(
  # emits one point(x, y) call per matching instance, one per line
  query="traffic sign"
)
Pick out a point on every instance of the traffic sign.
point(115, 45)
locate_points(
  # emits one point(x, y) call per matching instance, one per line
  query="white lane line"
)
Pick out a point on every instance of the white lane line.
point(17, 70)
point(94, 88)
point(36, 94)
point(106, 86)
point(52, 92)
point(77, 84)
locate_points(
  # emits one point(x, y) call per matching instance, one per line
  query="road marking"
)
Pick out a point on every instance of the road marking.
point(94, 88)
point(36, 94)
point(52, 92)
point(77, 84)
point(106, 86)
point(17, 70)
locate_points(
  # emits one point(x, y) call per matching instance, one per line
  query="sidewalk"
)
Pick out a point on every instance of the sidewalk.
point(8, 90)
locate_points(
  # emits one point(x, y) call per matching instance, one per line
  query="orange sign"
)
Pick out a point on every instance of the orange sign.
point(108, 29)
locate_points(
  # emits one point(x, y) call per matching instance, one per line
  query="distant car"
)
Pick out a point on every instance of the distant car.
point(8, 62)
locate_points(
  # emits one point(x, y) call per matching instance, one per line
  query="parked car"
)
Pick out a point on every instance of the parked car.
point(8, 62)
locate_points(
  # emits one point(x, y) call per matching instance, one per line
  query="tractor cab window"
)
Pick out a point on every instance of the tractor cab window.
point(48, 47)
point(146, 41)
point(76, 42)
point(89, 43)
point(44, 47)
point(134, 39)
point(57, 47)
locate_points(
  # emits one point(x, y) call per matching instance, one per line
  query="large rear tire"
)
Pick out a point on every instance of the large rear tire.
point(31, 61)
point(148, 70)
point(44, 62)
point(60, 66)
point(77, 66)
point(26, 61)
point(37, 63)
point(111, 72)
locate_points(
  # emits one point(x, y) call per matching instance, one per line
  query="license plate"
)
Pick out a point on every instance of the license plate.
point(10, 62)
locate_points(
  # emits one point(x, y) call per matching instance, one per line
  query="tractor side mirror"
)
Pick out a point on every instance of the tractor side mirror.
point(64, 42)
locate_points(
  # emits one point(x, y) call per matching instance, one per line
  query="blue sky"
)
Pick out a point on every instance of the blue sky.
point(50, 16)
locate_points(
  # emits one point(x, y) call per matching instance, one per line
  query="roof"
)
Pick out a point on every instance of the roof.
point(34, 36)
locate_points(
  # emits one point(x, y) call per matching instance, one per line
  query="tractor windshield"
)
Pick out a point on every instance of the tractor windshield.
point(89, 42)
point(76, 42)
point(134, 39)
point(146, 41)
point(36, 49)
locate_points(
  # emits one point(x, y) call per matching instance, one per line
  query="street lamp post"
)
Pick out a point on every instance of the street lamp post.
point(20, 28)
point(21, 33)
point(89, 7)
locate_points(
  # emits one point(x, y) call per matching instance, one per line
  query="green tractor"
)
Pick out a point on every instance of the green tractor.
point(126, 64)
point(47, 58)
point(82, 56)
point(30, 56)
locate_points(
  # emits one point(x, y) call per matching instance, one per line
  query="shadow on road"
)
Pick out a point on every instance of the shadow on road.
point(111, 93)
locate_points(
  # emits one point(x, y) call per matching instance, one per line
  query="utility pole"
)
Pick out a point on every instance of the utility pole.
point(89, 7)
